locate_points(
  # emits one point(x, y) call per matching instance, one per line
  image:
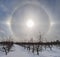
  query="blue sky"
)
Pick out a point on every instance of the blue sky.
point(52, 7)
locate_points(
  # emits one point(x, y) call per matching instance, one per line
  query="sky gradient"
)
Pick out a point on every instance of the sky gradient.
point(16, 11)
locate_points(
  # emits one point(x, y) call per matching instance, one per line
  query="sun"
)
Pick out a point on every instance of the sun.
point(30, 23)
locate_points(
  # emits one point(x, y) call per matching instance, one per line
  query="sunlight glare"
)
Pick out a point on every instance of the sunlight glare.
point(30, 23)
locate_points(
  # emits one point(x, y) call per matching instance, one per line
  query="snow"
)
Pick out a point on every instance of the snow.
point(19, 51)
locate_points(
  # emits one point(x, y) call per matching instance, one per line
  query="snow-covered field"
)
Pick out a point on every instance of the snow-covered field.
point(19, 51)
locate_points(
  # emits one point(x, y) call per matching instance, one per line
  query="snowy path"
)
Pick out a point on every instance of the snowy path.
point(21, 52)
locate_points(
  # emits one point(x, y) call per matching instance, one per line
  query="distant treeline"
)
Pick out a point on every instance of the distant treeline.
point(57, 42)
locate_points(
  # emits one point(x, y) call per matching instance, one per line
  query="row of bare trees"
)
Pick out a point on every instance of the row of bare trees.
point(6, 45)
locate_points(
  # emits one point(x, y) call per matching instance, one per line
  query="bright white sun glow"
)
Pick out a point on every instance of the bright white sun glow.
point(30, 23)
